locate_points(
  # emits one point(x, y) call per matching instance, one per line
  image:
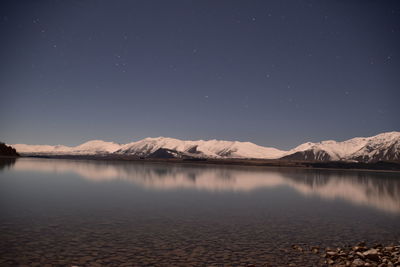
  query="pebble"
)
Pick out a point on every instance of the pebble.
point(166, 243)
point(356, 262)
point(361, 255)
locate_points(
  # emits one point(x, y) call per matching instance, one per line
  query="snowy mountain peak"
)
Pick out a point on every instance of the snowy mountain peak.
point(384, 146)
point(378, 147)
point(95, 142)
point(160, 138)
point(97, 146)
point(201, 148)
point(88, 148)
point(388, 136)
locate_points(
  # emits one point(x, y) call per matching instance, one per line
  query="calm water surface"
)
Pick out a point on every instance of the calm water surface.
point(111, 213)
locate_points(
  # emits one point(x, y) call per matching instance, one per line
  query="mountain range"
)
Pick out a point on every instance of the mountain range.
point(381, 147)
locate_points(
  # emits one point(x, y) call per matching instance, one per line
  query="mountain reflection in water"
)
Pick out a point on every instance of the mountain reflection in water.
point(6, 162)
point(378, 190)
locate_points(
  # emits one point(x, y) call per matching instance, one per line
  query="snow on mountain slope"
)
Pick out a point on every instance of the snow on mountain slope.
point(331, 150)
point(88, 148)
point(336, 150)
point(96, 146)
point(147, 146)
point(41, 149)
point(201, 148)
point(385, 146)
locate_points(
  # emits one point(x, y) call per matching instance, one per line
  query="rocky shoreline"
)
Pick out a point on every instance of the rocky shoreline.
point(377, 255)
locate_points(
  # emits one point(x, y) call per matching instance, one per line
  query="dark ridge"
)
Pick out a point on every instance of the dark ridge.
point(7, 151)
point(379, 165)
point(309, 155)
point(390, 154)
point(193, 150)
point(163, 153)
point(195, 159)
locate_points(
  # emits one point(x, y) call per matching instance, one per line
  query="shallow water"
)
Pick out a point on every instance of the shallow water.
point(92, 213)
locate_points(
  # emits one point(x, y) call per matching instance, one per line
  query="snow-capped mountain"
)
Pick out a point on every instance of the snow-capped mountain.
point(96, 146)
point(381, 147)
point(385, 146)
point(41, 149)
point(201, 148)
point(88, 148)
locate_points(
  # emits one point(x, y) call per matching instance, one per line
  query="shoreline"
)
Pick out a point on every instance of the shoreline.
point(381, 166)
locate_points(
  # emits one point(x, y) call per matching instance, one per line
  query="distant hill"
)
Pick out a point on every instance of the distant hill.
point(7, 151)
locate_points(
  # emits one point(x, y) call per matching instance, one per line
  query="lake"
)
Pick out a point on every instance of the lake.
point(121, 213)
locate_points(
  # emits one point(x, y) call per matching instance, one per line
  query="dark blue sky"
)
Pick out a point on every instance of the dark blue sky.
point(277, 73)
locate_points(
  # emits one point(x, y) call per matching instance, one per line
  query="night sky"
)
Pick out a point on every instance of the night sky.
point(276, 73)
